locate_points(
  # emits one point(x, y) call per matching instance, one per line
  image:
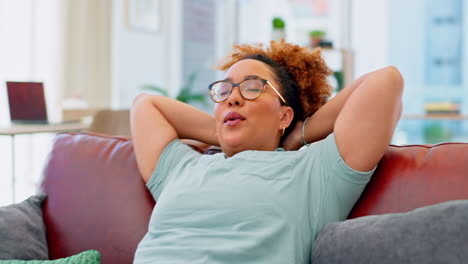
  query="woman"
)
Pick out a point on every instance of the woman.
point(257, 203)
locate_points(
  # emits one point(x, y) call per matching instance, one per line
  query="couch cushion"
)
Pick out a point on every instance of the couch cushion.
point(431, 234)
point(22, 230)
point(413, 176)
point(96, 197)
point(87, 257)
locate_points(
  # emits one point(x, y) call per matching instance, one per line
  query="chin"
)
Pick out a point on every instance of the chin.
point(234, 142)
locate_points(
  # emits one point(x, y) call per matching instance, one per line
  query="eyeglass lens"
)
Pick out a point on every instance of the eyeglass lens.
point(249, 89)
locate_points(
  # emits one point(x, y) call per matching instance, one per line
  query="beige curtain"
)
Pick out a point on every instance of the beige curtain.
point(87, 72)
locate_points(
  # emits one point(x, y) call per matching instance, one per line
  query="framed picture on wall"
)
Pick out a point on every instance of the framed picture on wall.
point(144, 15)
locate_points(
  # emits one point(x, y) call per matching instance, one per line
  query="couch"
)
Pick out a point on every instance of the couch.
point(97, 199)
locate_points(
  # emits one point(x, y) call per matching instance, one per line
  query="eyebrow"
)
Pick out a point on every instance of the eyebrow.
point(229, 79)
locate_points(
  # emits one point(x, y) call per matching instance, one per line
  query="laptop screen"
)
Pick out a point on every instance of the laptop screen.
point(27, 102)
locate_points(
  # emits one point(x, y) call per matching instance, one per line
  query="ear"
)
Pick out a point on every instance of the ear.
point(287, 116)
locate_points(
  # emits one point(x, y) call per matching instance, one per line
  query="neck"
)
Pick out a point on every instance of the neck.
point(230, 151)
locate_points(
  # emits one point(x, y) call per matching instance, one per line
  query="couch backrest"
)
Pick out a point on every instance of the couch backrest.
point(97, 199)
point(412, 176)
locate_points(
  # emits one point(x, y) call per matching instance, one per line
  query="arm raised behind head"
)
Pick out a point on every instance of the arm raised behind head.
point(158, 120)
point(365, 125)
point(363, 117)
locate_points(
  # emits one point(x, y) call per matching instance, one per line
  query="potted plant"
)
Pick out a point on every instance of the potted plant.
point(316, 36)
point(279, 27)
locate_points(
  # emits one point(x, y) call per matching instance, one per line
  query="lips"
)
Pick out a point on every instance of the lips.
point(233, 118)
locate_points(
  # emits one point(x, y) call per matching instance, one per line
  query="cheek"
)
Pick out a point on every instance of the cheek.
point(268, 112)
point(218, 110)
point(269, 117)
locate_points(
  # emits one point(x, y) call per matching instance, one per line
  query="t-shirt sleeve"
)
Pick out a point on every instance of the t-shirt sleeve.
point(340, 185)
point(174, 157)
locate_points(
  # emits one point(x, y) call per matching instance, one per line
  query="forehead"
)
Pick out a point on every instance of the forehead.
point(243, 68)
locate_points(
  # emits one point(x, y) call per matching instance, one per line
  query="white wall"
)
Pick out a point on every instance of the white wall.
point(30, 49)
point(139, 57)
point(254, 22)
point(370, 35)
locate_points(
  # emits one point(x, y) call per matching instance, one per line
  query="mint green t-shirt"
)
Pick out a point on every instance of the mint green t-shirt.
point(254, 207)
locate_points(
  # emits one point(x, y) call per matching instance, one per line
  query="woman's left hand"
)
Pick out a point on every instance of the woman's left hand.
point(293, 140)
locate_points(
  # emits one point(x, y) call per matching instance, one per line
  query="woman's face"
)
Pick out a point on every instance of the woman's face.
point(251, 125)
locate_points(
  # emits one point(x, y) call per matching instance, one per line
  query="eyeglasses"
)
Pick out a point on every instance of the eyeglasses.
point(250, 89)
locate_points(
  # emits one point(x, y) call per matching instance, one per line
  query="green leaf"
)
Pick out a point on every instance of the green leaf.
point(317, 34)
point(339, 80)
point(155, 88)
point(183, 94)
point(278, 23)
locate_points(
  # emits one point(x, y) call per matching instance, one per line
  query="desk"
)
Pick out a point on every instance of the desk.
point(17, 129)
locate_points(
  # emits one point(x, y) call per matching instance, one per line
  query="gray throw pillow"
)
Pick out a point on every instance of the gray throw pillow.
point(22, 230)
point(431, 234)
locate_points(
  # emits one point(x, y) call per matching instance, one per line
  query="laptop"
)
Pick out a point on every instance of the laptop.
point(27, 102)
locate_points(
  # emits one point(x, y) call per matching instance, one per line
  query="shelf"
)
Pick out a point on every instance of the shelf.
point(435, 116)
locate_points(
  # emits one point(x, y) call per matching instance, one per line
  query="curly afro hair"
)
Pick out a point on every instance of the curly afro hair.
point(301, 72)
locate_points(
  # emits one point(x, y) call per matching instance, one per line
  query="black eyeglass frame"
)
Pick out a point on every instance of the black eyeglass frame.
point(264, 82)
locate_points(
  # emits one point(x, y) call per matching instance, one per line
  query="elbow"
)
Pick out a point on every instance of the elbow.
point(395, 78)
point(139, 99)
point(144, 99)
point(140, 104)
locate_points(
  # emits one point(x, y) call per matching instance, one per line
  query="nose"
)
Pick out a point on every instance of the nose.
point(235, 98)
